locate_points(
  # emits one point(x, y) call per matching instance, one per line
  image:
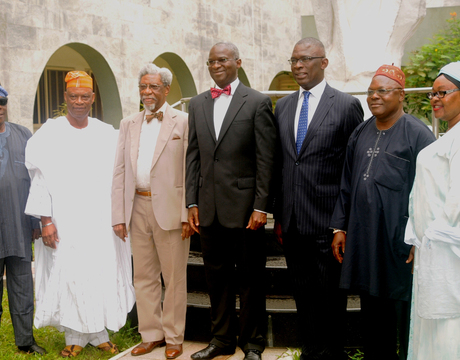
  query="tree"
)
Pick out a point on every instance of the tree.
point(425, 63)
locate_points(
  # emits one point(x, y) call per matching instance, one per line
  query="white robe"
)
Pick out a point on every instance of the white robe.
point(86, 283)
point(434, 227)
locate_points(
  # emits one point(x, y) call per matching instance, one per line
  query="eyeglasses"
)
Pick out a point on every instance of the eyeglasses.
point(84, 98)
point(153, 87)
point(304, 60)
point(218, 61)
point(3, 101)
point(381, 92)
point(440, 94)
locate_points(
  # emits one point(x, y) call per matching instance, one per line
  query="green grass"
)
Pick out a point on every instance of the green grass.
point(53, 341)
point(295, 354)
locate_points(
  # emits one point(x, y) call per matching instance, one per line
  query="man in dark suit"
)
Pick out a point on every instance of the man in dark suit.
point(230, 160)
point(314, 125)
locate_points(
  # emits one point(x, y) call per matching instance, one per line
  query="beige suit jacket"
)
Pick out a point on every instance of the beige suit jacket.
point(167, 175)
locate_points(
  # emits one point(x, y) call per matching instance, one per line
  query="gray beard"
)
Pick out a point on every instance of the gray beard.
point(150, 107)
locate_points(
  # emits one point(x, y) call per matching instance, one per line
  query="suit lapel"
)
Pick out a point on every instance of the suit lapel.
point(291, 106)
point(238, 99)
point(135, 131)
point(208, 109)
point(325, 103)
point(166, 128)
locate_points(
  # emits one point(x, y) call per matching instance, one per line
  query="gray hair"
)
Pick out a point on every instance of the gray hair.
point(312, 41)
point(231, 46)
point(152, 69)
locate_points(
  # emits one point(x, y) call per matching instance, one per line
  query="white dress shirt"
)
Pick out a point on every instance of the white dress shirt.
point(313, 101)
point(147, 143)
point(221, 105)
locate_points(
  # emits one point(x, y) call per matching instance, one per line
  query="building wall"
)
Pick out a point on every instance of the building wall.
point(130, 33)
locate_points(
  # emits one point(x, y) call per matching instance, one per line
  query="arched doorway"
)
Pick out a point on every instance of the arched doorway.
point(183, 85)
point(283, 81)
point(77, 56)
point(243, 77)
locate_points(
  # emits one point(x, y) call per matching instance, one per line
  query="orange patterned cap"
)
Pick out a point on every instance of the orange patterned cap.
point(392, 72)
point(78, 79)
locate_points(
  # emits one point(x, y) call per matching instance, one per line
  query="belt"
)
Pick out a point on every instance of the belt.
point(143, 193)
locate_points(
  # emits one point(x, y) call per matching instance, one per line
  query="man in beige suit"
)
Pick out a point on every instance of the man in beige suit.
point(148, 201)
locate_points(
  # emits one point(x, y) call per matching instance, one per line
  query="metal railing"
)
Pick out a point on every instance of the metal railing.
point(279, 94)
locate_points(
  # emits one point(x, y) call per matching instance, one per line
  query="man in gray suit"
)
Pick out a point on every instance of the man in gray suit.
point(230, 160)
point(17, 230)
point(314, 125)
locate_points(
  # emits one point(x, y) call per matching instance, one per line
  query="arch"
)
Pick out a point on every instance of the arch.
point(183, 85)
point(243, 77)
point(283, 81)
point(90, 59)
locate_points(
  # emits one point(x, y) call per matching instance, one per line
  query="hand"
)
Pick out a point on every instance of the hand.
point(187, 231)
point(256, 220)
point(193, 218)
point(339, 244)
point(411, 258)
point(36, 233)
point(49, 236)
point(278, 232)
point(120, 231)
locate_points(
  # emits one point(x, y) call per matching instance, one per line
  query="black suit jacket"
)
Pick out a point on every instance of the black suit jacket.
point(311, 179)
point(230, 176)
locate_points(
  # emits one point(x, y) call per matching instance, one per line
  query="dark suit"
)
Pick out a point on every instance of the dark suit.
point(228, 178)
point(309, 190)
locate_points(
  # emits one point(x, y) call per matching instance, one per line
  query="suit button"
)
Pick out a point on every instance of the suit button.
point(297, 162)
point(216, 159)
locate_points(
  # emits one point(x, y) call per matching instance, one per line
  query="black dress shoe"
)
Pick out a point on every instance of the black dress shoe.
point(252, 354)
point(211, 352)
point(33, 349)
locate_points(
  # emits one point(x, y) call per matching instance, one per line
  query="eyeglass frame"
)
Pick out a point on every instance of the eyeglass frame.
point(85, 98)
point(3, 101)
point(430, 95)
point(304, 59)
point(381, 92)
point(222, 61)
point(153, 87)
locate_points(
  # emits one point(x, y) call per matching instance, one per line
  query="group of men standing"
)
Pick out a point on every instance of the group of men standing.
point(218, 172)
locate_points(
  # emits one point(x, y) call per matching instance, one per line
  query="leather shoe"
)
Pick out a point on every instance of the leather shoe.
point(252, 354)
point(146, 347)
point(34, 348)
point(172, 351)
point(211, 352)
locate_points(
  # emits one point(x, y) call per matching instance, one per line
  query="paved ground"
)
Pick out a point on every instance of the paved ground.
point(191, 347)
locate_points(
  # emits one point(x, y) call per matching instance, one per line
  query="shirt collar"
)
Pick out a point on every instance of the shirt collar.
point(316, 91)
point(233, 86)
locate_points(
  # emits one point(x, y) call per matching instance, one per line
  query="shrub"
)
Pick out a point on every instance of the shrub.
point(425, 63)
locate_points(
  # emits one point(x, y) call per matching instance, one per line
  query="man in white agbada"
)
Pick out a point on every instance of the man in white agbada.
point(434, 228)
point(83, 282)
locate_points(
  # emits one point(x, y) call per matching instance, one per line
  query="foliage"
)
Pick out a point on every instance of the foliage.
point(53, 341)
point(425, 64)
point(61, 111)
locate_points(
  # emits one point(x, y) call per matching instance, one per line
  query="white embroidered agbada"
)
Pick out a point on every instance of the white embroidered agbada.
point(86, 283)
point(434, 227)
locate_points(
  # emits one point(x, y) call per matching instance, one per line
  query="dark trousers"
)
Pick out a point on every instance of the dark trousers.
point(234, 259)
point(20, 287)
point(385, 322)
point(321, 305)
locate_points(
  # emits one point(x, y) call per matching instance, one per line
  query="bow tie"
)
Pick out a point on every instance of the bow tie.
point(158, 115)
point(215, 93)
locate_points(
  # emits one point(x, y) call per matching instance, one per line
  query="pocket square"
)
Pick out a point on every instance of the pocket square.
point(175, 137)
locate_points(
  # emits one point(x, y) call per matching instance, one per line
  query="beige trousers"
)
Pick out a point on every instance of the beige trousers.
point(158, 252)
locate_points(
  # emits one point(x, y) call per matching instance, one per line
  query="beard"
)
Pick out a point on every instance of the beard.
point(150, 107)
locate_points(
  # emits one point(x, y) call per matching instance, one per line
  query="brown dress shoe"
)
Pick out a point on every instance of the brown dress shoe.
point(146, 347)
point(172, 351)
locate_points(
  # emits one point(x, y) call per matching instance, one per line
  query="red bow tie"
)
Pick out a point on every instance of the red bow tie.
point(215, 93)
